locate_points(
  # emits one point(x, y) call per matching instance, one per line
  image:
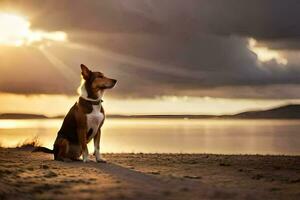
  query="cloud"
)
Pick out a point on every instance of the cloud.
point(195, 48)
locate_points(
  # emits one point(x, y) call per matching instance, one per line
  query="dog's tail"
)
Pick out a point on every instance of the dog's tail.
point(43, 149)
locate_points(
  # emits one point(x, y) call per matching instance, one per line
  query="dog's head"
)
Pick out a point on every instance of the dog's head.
point(96, 80)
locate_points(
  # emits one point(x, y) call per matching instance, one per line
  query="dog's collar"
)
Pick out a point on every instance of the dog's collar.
point(91, 101)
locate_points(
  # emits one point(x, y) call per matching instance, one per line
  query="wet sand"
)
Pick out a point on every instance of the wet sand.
point(26, 175)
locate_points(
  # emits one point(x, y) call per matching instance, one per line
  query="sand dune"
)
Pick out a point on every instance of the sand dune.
point(26, 175)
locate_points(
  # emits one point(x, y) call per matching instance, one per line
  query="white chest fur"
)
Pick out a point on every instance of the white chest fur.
point(94, 119)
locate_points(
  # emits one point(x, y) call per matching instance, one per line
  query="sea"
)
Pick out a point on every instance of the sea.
point(216, 136)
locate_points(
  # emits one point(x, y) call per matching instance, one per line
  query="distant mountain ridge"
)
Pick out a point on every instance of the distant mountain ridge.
point(291, 111)
point(21, 116)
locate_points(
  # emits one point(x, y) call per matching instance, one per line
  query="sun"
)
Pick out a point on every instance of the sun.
point(15, 30)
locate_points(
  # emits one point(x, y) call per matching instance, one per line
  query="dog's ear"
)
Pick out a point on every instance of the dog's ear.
point(85, 72)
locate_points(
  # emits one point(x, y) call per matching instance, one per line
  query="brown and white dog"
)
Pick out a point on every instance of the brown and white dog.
point(84, 120)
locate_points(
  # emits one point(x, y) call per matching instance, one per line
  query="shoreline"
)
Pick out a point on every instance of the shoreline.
point(164, 118)
point(172, 153)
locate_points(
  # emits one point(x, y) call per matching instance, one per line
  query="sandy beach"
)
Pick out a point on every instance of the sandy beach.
point(27, 175)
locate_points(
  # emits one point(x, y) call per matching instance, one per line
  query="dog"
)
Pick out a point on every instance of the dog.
point(84, 120)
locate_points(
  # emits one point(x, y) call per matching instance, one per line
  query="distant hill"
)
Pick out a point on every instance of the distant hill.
point(163, 116)
point(284, 112)
point(21, 116)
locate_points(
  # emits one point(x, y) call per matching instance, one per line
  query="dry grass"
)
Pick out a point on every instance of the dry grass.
point(30, 143)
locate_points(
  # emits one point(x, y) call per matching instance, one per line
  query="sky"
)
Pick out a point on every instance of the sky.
point(169, 57)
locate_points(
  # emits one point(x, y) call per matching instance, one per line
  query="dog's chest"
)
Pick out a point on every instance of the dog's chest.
point(94, 119)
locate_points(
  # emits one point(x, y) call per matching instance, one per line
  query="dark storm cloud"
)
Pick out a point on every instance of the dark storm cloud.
point(262, 19)
point(195, 47)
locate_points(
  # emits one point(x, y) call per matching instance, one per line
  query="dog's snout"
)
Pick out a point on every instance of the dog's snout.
point(114, 81)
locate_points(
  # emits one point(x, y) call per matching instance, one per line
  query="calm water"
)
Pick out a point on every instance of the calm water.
point(172, 135)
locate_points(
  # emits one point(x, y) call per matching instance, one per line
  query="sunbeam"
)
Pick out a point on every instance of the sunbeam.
point(140, 62)
point(65, 70)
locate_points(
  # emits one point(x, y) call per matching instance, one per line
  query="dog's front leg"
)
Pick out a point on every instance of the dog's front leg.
point(97, 146)
point(83, 143)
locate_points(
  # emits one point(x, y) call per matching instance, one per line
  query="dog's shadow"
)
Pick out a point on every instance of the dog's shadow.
point(119, 172)
point(138, 180)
